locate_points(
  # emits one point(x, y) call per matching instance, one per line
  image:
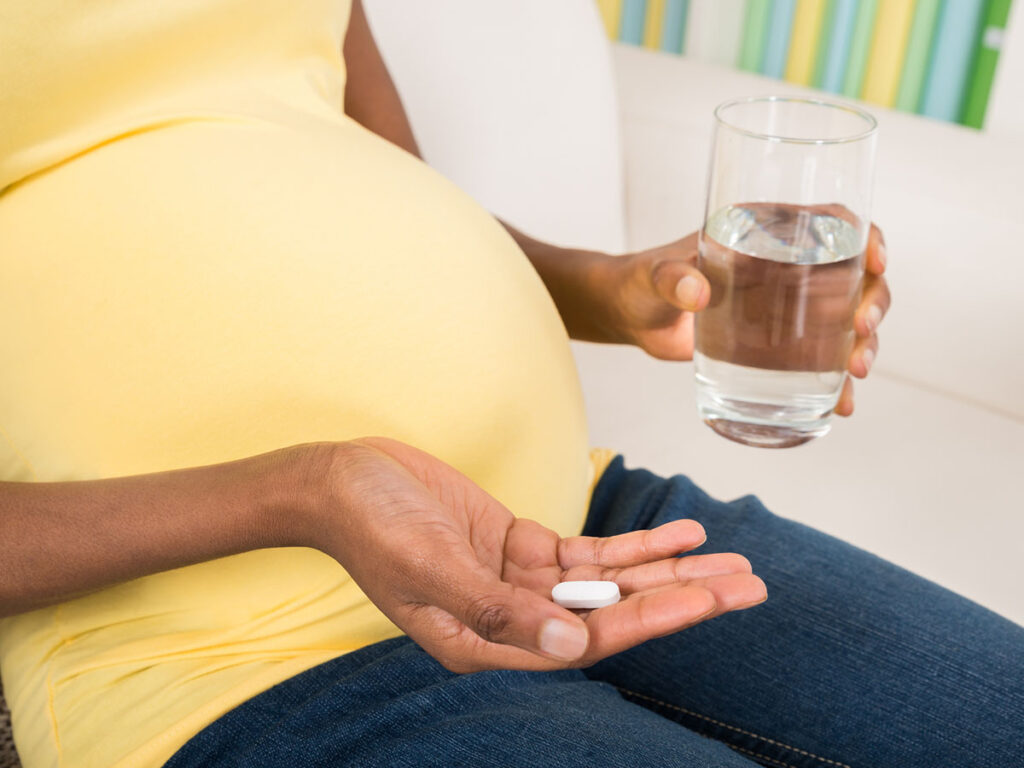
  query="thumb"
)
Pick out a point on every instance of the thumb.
point(681, 285)
point(501, 613)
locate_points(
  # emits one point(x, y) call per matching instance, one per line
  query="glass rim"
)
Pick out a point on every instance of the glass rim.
point(872, 123)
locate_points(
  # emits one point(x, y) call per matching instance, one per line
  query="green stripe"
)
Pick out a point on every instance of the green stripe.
point(919, 47)
point(859, 46)
point(984, 69)
point(824, 42)
point(755, 30)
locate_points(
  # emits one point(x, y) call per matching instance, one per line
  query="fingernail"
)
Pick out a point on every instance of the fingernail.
point(563, 640)
point(881, 254)
point(873, 317)
point(868, 356)
point(688, 290)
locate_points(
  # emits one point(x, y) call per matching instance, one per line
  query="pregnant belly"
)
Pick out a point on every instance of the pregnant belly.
point(212, 290)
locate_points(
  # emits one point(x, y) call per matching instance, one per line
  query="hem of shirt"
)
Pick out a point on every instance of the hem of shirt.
point(158, 750)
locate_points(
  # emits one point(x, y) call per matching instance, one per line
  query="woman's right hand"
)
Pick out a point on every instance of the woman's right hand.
point(471, 583)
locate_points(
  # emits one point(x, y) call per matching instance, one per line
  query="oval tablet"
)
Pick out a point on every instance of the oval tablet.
point(585, 594)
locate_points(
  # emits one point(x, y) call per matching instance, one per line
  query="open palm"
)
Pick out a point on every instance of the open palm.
point(471, 583)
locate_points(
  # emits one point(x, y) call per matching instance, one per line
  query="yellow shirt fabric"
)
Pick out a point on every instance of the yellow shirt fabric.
point(203, 258)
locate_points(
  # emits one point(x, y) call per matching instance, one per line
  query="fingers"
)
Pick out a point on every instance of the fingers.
point(680, 284)
point(669, 609)
point(647, 616)
point(873, 306)
point(859, 364)
point(876, 255)
point(674, 570)
point(655, 603)
point(845, 405)
point(735, 592)
point(634, 620)
point(631, 548)
point(500, 613)
point(863, 356)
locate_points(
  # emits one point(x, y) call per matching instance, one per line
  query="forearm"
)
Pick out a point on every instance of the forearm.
point(370, 95)
point(578, 282)
point(59, 540)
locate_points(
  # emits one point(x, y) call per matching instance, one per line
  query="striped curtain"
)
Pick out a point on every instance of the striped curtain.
point(932, 57)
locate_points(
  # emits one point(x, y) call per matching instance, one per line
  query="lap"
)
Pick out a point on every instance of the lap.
point(851, 661)
point(392, 705)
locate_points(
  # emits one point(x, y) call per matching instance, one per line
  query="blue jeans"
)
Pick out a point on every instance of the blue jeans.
point(851, 662)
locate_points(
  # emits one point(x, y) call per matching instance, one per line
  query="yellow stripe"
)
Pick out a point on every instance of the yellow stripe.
point(611, 14)
point(888, 49)
point(804, 40)
point(652, 27)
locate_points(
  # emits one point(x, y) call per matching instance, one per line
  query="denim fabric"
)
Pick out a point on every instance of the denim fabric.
point(851, 662)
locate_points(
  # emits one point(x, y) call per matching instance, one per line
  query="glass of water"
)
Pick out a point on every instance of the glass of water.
point(785, 230)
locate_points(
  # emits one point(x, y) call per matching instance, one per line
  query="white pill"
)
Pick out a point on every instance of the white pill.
point(585, 594)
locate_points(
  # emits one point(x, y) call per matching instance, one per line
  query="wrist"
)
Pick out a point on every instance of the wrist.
point(605, 278)
point(293, 495)
point(324, 484)
point(590, 310)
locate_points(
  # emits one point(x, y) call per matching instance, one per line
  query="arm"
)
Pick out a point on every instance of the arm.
point(61, 540)
point(646, 298)
point(370, 96)
point(452, 567)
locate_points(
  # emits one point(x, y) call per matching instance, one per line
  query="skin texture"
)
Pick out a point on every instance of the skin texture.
point(471, 583)
point(446, 562)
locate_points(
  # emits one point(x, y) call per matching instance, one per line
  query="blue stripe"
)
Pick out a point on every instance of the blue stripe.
point(673, 29)
point(951, 59)
point(631, 29)
point(838, 51)
point(776, 47)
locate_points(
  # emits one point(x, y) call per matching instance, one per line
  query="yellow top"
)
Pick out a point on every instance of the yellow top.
point(202, 258)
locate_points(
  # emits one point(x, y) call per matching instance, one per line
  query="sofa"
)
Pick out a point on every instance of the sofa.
point(532, 110)
point(605, 146)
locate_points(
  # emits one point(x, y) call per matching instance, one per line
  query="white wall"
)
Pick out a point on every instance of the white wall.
point(515, 102)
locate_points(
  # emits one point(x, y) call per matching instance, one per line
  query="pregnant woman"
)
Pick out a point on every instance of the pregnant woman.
point(293, 452)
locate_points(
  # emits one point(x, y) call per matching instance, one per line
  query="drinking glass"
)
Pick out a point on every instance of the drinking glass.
point(785, 229)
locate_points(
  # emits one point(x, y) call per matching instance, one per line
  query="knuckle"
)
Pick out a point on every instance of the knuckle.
point(489, 619)
point(596, 550)
point(658, 271)
point(646, 548)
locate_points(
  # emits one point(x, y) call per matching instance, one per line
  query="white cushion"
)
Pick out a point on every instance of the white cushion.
point(926, 472)
point(948, 198)
point(515, 102)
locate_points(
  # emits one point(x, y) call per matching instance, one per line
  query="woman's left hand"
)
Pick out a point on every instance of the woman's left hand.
point(655, 293)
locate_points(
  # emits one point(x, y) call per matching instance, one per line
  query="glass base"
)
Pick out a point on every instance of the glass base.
point(765, 435)
point(763, 407)
point(782, 422)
